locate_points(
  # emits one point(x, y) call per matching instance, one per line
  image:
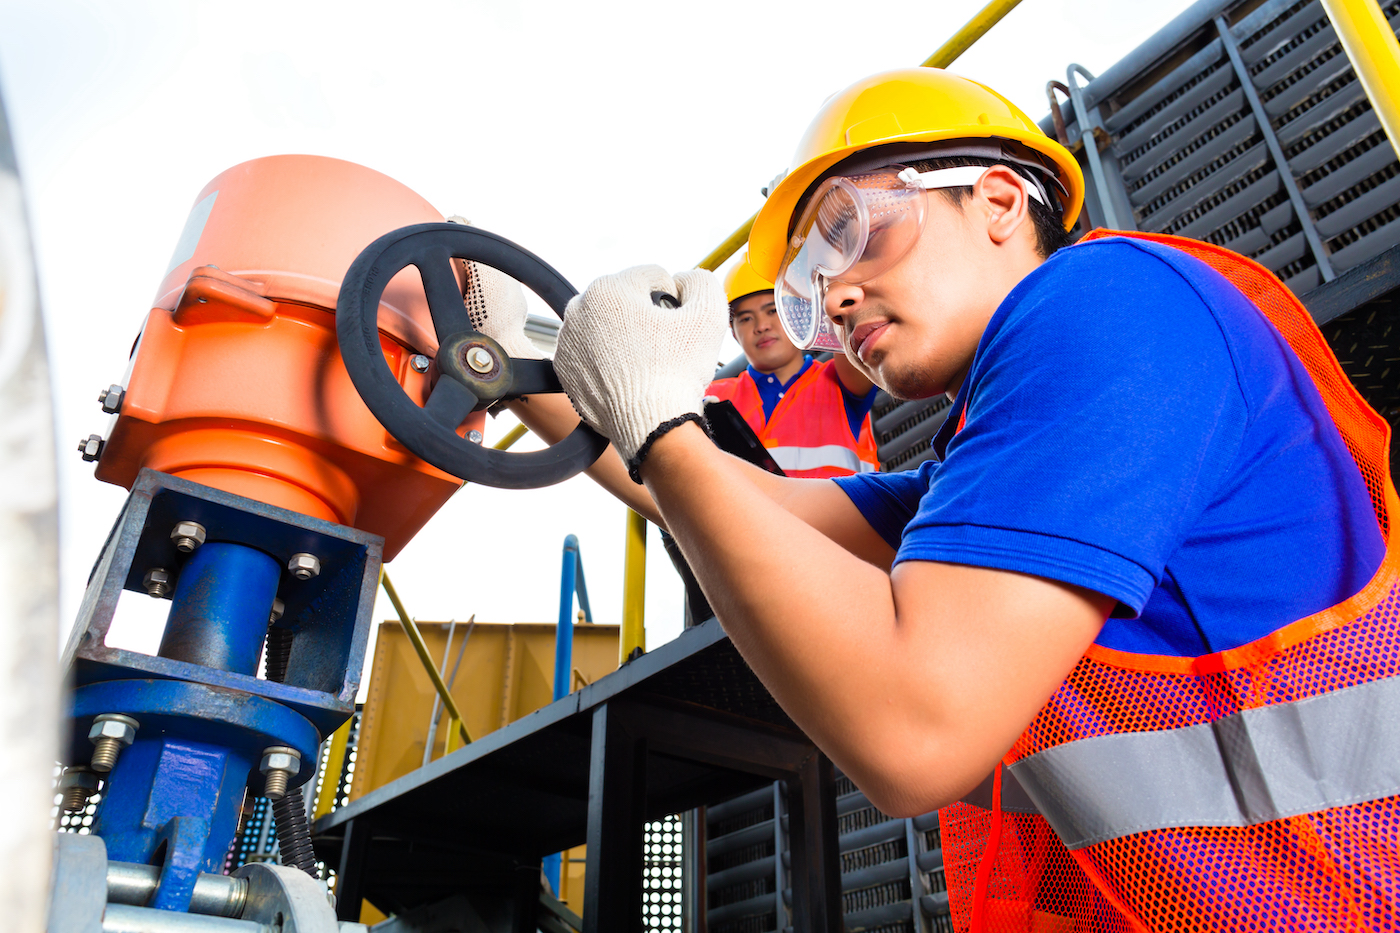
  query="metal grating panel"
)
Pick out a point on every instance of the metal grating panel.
point(1199, 148)
point(661, 875)
point(884, 890)
point(903, 430)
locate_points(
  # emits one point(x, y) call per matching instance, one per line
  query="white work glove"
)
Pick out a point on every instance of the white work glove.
point(634, 370)
point(496, 305)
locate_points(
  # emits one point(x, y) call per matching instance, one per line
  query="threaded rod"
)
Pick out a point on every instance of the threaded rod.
point(293, 834)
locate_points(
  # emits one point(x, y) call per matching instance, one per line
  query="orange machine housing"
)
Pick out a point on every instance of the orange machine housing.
point(236, 381)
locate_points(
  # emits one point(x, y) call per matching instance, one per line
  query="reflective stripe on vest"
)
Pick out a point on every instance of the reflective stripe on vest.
point(1329, 750)
point(792, 459)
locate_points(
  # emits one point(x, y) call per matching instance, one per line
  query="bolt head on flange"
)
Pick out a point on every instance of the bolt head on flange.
point(158, 582)
point(480, 359)
point(304, 566)
point(419, 363)
point(114, 726)
point(187, 536)
point(278, 608)
point(91, 447)
point(111, 398)
point(280, 758)
point(475, 436)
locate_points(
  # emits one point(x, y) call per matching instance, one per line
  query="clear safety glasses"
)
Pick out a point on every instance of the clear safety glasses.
point(854, 228)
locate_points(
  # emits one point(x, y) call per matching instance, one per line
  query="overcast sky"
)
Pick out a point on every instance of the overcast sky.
point(598, 135)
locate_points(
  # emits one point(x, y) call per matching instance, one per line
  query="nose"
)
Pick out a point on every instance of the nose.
point(840, 301)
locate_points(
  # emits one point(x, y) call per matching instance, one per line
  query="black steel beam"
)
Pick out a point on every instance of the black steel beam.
point(816, 862)
point(349, 878)
point(612, 901)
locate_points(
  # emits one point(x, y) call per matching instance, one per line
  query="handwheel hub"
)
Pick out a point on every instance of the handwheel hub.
point(477, 362)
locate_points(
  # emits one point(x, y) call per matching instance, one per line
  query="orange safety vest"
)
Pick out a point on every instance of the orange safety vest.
point(1256, 788)
point(809, 433)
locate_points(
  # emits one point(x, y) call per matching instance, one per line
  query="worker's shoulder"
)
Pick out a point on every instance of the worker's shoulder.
point(724, 388)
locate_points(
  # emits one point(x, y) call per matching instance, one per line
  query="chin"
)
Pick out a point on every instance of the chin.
point(909, 385)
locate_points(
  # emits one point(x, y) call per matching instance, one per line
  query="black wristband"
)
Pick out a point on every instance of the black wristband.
point(634, 465)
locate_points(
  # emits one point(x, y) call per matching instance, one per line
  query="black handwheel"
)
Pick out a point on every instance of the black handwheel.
point(473, 371)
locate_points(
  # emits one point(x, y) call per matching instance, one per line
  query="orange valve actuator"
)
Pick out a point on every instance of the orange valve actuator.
point(236, 381)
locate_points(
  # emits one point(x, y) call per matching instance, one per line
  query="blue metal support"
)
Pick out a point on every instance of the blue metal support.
point(571, 581)
point(221, 608)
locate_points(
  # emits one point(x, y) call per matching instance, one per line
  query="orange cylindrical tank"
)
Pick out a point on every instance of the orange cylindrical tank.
point(236, 381)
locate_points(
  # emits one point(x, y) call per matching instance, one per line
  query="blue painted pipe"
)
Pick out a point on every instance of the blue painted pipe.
point(564, 634)
point(220, 608)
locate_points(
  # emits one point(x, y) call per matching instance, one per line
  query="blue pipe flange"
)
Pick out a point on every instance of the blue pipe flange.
point(211, 715)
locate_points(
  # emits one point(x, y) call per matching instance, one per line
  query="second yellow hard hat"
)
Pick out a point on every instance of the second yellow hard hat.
point(741, 280)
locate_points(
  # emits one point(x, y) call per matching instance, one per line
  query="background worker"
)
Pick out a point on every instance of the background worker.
point(814, 417)
point(1147, 575)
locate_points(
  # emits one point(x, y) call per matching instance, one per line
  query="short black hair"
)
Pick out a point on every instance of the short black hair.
point(1050, 233)
point(733, 305)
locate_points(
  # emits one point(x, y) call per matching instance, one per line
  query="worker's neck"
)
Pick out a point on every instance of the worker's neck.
point(787, 370)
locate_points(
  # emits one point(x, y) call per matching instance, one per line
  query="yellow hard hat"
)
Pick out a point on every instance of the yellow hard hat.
point(903, 106)
point(741, 281)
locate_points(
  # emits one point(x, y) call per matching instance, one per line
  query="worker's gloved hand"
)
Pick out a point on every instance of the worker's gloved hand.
point(496, 305)
point(635, 370)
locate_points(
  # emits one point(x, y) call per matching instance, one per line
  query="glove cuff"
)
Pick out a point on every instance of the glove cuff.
point(634, 463)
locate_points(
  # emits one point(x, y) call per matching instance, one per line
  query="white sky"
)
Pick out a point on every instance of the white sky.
point(598, 135)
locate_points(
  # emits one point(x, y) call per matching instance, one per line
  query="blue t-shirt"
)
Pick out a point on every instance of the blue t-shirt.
point(1135, 426)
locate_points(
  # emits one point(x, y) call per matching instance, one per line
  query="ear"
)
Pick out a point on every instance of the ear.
point(1003, 195)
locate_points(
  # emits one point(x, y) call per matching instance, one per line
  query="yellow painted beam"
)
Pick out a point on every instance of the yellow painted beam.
point(513, 435)
point(976, 28)
point(1375, 55)
point(335, 763)
point(417, 638)
point(947, 53)
point(634, 588)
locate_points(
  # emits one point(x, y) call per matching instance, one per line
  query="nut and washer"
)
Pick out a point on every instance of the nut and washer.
point(304, 566)
point(419, 363)
point(110, 733)
point(111, 398)
point(187, 536)
point(91, 447)
point(278, 607)
point(474, 436)
point(480, 359)
point(279, 764)
point(76, 786)
point(158, 581)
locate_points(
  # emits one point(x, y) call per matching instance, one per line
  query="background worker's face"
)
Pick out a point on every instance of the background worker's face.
point(761, 335)
point(914, 329)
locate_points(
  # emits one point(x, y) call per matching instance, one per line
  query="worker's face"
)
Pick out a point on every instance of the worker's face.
point(914, 329)
point(759, 332)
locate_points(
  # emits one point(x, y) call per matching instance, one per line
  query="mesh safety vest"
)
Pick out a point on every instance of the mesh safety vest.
point(1250, 789)
point(809, 433)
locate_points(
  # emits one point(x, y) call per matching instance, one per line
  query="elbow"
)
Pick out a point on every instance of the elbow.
point(910, 785)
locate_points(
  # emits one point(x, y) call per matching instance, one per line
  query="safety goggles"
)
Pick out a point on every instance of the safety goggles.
point(854, 228)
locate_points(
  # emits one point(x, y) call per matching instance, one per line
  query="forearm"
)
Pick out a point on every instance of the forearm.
point(915, 685)
point(552, 418)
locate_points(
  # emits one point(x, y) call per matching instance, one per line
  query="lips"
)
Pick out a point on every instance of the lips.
point(865, 336)
point(767, 342)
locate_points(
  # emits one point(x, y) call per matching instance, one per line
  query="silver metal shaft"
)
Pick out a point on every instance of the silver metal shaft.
point(122, 918)
point(130, 884)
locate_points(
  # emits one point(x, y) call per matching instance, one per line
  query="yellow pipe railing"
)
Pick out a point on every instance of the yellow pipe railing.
point(1374, 54)
point(634, 589)
point(415, 636)
point(947, 53)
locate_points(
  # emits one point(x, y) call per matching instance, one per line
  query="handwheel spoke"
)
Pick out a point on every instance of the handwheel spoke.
point(444, 295)
point(450, 403)
point(533, 377)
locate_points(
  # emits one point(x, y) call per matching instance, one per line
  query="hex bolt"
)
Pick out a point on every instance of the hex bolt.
point(279, 764)
point(419, 362)
point(111, 398)
point(278, 608)
point(91, 447)
point(77, 785)
point(474, 436)
point(304, 566)
point(187, 536)
point(480, 359)
point(158, 581)
point(110, 733)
